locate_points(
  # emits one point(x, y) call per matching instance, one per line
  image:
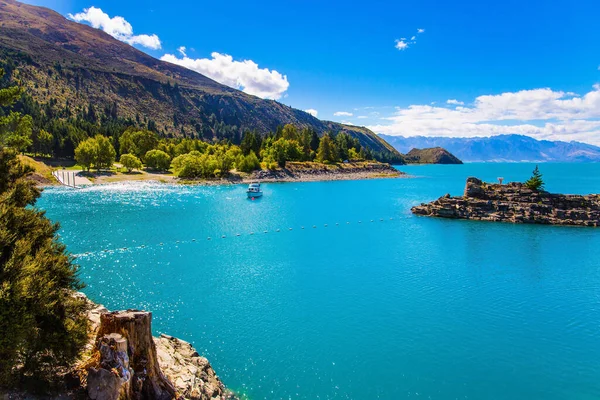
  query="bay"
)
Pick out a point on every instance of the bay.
point(334, 290)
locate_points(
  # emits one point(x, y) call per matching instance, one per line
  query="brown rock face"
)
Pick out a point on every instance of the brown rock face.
point(191, 374)
point(515, 203)
point(128, 363)
point(126, 346)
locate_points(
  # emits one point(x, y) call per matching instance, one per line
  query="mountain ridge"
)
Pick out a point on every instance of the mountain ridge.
point(502, 148)
point(72, 66)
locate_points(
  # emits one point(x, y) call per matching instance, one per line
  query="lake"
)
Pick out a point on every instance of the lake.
point(334, 290)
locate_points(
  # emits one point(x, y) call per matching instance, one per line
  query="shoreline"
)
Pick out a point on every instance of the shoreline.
point(294, 172)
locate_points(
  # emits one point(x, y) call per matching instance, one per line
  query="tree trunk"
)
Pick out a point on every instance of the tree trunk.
point(147, 382)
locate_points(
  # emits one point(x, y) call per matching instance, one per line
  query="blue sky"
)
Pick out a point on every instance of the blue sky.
point(522, 56)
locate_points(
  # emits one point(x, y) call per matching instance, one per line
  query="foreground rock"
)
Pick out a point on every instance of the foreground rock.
point(191, 374)
point(515, 203)
point(126, 362)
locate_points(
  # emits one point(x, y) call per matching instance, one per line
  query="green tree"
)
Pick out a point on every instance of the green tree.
point(15, 129)
point(137, 142)
point(326, 152)
point(342, 141)
point(106, 155)
point(353, 155)
point(191, 165)
point(44, 142)
point(247, 163)
point(280, 151)
point(251, 141)
point(306, 141)
point(130, 162)
point(290, 132)
point(535, 182)
point(42, 325)
point(158, 160)
point(86, 153)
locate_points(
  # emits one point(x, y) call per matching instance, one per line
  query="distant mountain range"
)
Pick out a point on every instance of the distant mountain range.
point(502, 148)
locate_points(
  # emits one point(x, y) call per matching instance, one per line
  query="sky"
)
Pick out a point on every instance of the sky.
point(433, 68)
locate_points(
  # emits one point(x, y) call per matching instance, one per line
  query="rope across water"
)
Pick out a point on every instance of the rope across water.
point(235, 235)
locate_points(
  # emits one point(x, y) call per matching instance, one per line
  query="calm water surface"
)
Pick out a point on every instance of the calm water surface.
point(401, 307)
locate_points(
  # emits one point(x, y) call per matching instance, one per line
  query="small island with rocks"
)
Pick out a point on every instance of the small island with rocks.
point(515, 202)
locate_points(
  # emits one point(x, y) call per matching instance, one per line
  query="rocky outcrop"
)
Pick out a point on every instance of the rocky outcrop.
point(515, 203)
point(112, 368)
point(191, 374)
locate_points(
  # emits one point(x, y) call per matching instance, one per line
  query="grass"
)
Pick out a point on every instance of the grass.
point(39, 167)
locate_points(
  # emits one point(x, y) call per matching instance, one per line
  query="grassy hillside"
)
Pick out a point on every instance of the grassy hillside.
point(68, 67)
point(42, 173)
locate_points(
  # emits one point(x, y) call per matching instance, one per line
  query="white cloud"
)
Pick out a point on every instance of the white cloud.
point(401, 45)
point(182, 50)
point(149, 41)
point(117, 27)
point(244, 75)
point(362, 117)
point(454, 101)
point(312, 112)
point(342, 114)
point(540, 113)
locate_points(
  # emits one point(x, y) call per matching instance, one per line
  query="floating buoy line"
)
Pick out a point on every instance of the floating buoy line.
point(210, 238)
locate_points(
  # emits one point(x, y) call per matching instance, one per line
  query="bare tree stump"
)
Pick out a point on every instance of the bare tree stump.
point(148, 382)
point(111, 379)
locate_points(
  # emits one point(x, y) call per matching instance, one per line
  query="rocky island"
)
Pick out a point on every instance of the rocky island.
point(514, 202)
point(434, 155)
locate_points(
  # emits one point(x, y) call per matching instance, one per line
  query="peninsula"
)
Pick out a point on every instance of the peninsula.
point(516, 203)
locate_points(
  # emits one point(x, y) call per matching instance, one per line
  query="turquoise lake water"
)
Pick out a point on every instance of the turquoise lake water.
point(401, 307)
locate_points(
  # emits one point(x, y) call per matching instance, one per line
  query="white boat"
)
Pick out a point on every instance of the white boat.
point(254, 190)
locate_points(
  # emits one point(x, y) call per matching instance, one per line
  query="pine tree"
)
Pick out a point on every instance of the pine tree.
point(42, 325)
point(326, 153)
point(15, 129)
point(535, 182)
